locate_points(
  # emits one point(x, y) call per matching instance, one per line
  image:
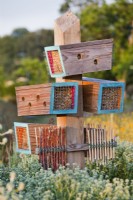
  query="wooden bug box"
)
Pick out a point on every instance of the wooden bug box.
point(56, 98)
point(27, 136)
point(79, 58)
point(102, 96)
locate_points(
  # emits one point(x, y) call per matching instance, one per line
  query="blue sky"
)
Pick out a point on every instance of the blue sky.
point(30, 14)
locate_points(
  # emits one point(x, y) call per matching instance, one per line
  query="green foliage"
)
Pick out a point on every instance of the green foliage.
point(2, 80)
point(27, 71)
point(91, 183)
point(33, 70)
point(100, 20)
point(124, 69)
point(21, 55)
point(19, 32)
point(10, 191)
point(121, 166)
point(110, 21)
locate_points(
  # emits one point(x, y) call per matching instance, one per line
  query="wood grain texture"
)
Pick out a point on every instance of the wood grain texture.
point(77, 147)
point(102, 96)
point(90, 96)
point(87, 57)
point(55, 98)
point(80, 58)
point(35, 133)
point(33, 100)
point(67, 31)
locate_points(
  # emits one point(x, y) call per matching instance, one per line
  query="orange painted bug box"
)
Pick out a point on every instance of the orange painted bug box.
point(55, 98)
point(27, 136)
point(79, 58)
point(103, 96)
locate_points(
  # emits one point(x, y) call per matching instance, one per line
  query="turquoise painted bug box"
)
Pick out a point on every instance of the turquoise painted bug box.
point(43, 99)
point(27, 136)
point(102, 96)
point(67, 60)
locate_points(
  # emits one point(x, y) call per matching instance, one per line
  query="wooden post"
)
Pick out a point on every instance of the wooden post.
point(67, 31)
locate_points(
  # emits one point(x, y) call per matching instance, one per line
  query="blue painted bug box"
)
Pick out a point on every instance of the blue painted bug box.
point(43, 99)
point(27, 136)
point(102, 96)
point(64, 98)
point(79, 58)
point(22, 138)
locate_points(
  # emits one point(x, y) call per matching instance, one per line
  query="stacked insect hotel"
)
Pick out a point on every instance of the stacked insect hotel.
point(102, 96)
point(56, 98)
point(101, 144)
point(27, 137)
point(91, 56)
point(52, 147)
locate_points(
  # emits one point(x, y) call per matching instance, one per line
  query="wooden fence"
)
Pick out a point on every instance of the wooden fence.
point(99, 145)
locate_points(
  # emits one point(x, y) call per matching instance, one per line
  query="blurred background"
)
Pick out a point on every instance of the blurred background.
point(26, 27)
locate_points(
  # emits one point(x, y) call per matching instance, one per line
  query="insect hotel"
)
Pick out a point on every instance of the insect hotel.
point(69, 141)
point(43, 99)
point(102, 96)
point(79, 58)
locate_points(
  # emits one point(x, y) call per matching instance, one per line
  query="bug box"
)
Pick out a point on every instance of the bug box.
point(102, 96)
point(43, 99)
point(79, 58)
point(27, 136)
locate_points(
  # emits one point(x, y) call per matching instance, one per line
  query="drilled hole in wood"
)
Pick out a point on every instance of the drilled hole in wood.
point(30, 104)
point(23, 98)
point(38, 97)
point(44, 103)
point(95, 61)
point(79, 56)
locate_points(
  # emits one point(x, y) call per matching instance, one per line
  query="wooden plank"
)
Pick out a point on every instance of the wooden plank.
point(87, 44)
point(86, 56)
point(77, 147)
point(33, 100)
point(55, 98)
point(67, 31)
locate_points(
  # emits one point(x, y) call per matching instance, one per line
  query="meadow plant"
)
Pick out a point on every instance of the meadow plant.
point(27, 180)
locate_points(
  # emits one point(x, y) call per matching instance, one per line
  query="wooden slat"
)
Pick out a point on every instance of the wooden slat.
point(99, 144)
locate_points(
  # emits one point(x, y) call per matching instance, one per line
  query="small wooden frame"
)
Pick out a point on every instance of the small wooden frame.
point(102, 96)
point(79, 58)
point(22, 138)
point(68, 104)
point(56, 98)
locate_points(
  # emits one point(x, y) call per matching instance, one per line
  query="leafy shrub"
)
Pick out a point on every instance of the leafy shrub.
point(121, 166)
point(110, 182)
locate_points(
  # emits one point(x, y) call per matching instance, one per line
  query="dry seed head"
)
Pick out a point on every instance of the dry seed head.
point(4, 141)
point(12, 176)
point(21, 186)
point(9, 187)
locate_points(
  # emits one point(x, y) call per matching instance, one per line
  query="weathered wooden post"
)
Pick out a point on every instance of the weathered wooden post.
point(67, 31)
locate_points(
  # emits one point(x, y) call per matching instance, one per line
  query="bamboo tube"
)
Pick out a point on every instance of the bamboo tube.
point(89, 141)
